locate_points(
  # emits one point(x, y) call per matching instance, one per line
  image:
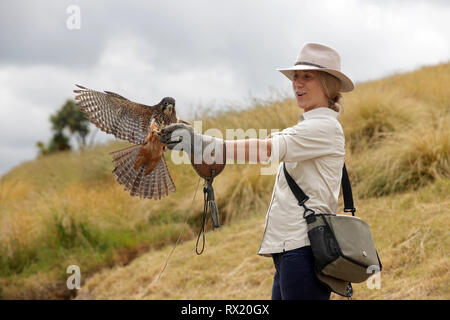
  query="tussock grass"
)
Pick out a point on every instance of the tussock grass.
point(373, 115)
point(67, 209)
point(229, 268)
point(411, 234)
point(429, 84)
point(249, 192)
point(275, 116)
point(409, 160)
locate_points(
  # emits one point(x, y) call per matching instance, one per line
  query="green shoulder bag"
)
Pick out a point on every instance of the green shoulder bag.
point(342, 245)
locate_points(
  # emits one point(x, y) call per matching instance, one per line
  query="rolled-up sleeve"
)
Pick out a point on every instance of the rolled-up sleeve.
point(306, 140)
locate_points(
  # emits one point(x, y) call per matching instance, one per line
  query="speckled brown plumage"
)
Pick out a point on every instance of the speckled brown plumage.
point(141, 168)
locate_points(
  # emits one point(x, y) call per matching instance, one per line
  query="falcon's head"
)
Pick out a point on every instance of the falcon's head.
point(168, 105)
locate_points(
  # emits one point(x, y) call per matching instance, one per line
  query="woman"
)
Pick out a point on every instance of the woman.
point(313, 151)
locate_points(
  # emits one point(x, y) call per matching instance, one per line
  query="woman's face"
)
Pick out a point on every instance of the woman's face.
point(308, 91)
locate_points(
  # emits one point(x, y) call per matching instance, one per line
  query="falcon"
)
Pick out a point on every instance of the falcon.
point(141, 168)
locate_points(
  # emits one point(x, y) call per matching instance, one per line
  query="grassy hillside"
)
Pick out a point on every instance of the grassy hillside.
point(411, 234)
point(67, 209)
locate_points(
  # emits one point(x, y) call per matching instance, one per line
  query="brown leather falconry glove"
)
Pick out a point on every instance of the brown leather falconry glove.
point(208, 157)
point(207, 153)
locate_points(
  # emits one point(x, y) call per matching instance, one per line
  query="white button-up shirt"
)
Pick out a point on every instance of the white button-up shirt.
point(314, 152)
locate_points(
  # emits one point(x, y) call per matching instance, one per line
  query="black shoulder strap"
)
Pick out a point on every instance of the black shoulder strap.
point(347, 192)
point(302, 197)
point(296, 190)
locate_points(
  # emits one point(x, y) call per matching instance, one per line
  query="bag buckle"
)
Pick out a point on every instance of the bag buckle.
point(352, 210)
point(308, 212)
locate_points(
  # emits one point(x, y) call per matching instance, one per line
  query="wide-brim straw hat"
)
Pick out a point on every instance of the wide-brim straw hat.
point(316, 56)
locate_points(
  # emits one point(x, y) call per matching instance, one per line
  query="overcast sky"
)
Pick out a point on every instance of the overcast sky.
point(201, 52)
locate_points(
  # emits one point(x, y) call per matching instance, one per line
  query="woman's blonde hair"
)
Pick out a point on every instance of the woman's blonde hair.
point(332, 88)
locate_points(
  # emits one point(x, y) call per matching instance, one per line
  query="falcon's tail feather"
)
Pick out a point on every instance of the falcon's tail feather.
point(156, 184)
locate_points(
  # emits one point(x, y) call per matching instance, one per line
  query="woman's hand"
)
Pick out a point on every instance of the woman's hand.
point(178, 136)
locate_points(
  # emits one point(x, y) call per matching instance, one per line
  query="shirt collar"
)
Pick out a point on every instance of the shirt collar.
point(318, 113)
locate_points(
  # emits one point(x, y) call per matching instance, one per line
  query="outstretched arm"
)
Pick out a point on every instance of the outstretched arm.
point(182, 137)
point(249, 150)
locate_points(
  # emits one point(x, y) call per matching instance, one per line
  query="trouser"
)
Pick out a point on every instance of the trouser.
point(295, 278)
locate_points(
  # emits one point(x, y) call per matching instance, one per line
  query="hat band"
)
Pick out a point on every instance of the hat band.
point(310, 64)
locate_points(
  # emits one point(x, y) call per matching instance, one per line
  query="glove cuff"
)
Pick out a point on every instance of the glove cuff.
point(209, 150)
point(214, 150)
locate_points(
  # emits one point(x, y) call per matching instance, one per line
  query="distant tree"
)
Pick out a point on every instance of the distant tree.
point(43, 149)
point(59, 142)
point(69, 118)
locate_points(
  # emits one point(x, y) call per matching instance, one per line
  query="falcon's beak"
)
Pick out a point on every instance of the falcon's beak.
point(169, 109)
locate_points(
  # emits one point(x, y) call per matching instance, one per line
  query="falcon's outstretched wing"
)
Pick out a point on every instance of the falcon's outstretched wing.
point(115, 114)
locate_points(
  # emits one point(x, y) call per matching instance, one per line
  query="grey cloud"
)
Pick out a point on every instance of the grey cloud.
point(35, 33)
point(225, 33)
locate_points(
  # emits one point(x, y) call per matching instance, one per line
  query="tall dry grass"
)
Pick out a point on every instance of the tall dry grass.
point(409, 160)
point(411, 233)
point(373, 115)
